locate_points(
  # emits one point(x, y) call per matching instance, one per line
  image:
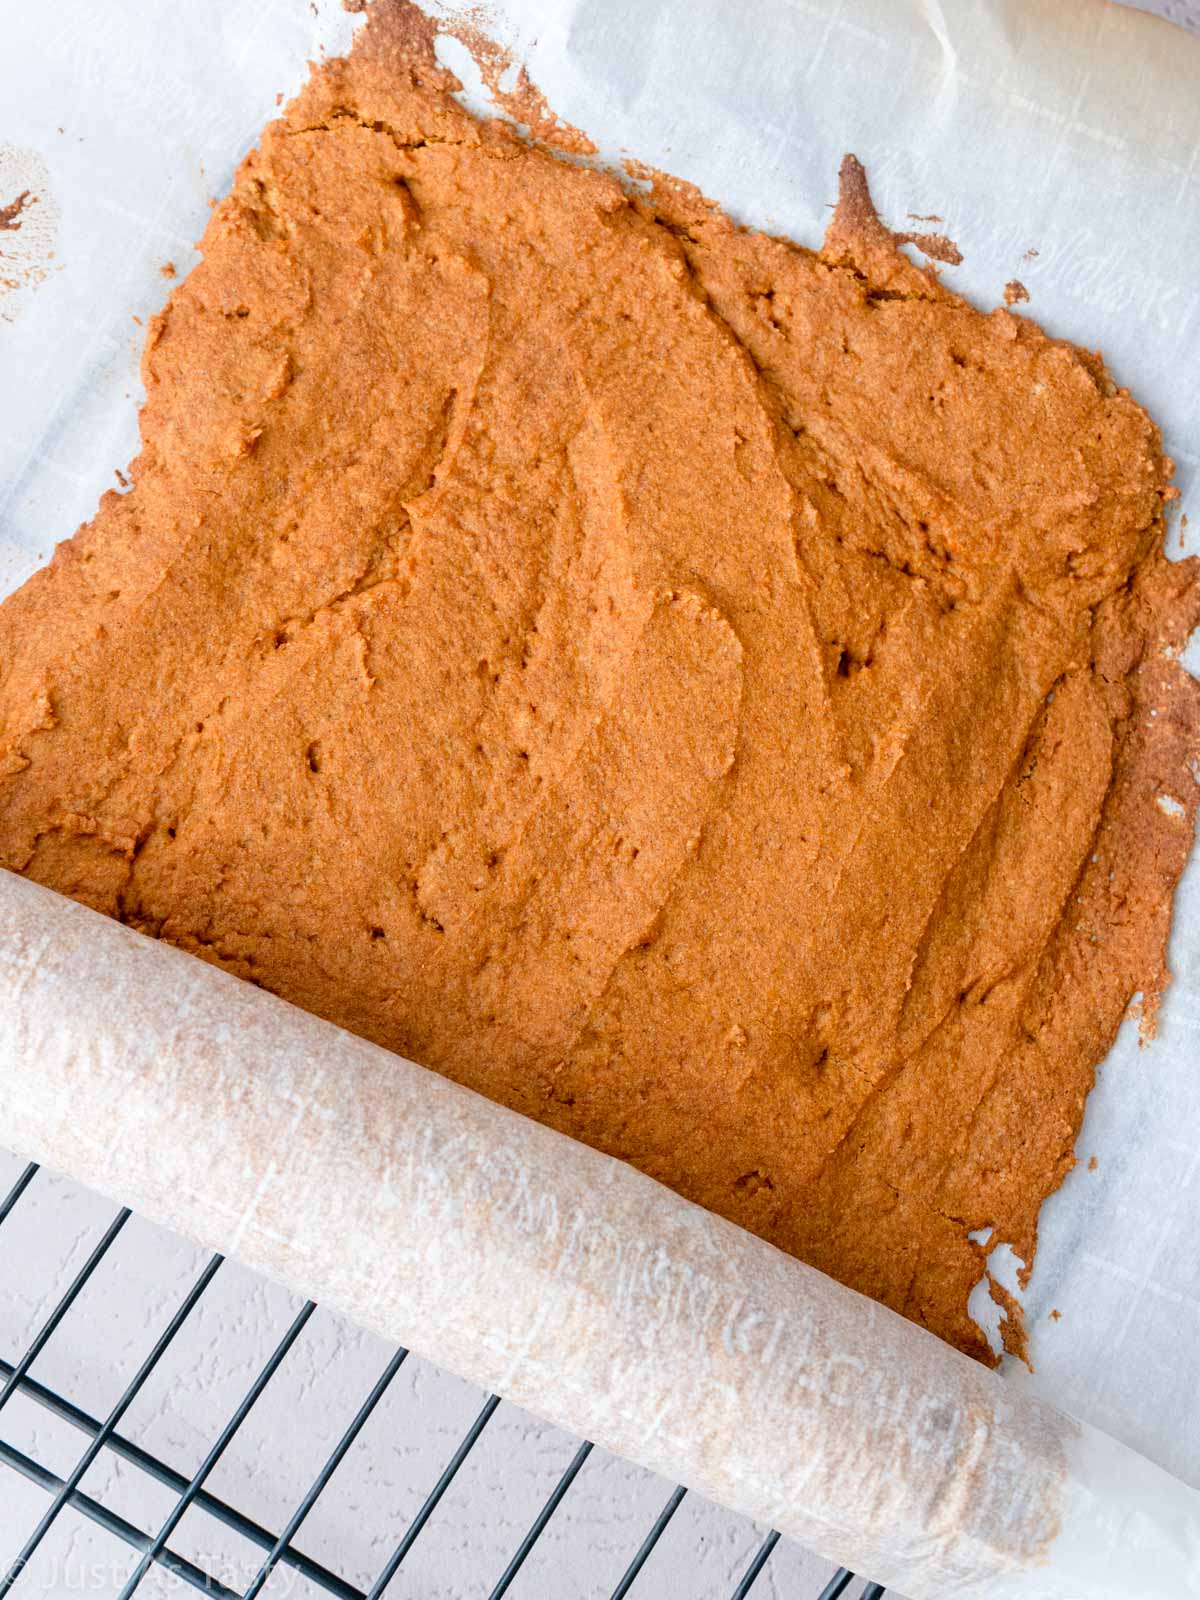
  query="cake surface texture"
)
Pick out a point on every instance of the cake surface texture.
point(717, 698)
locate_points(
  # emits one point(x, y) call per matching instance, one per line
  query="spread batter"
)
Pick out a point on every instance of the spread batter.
point(716, 698)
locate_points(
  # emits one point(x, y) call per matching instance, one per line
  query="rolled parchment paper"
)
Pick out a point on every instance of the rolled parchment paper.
point(557, 1276)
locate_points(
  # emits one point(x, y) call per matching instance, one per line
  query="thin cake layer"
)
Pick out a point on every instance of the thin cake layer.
point(710, 696)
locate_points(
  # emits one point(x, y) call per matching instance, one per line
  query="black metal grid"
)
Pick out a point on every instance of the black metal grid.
point(277, 1549)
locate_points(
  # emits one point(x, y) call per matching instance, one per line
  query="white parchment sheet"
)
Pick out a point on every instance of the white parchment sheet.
point(1069, 128)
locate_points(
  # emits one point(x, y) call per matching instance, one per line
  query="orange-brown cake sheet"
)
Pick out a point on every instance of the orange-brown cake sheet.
point(713, 697)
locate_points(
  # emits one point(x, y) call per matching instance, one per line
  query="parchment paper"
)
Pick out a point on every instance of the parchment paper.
point(1029, 125)
point(1072, 130)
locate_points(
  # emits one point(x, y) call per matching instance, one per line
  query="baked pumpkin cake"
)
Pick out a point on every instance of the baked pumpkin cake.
point(714, 697)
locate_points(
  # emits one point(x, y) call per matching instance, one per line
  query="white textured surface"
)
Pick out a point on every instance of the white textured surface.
point(361, 1517)
point(611, 1505)
point(1184, 13)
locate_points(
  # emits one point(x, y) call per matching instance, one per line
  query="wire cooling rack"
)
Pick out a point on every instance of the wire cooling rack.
point(279, 1549)
point(63, 1491)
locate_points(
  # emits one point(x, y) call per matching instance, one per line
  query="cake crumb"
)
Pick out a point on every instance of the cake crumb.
point(512, 89)
point(1014, 292)
point(10, 215)
point(1013, 1333)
